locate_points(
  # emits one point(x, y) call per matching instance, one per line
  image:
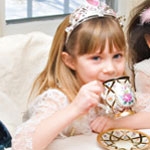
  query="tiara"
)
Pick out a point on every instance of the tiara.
point(145, 16)
point(91, 9)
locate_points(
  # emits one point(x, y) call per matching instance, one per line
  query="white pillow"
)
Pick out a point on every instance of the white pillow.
point(9, 113)
point(22, 58)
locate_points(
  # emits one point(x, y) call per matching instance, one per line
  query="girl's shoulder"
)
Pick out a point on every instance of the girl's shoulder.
point(51, 92)
point(51, 99)
point(143, 66)
point(50, 96)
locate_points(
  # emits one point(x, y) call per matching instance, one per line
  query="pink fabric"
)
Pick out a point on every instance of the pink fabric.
point(93, 2)
point(145, 16)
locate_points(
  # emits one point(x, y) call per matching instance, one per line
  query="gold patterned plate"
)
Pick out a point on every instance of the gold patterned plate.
point(124, 139)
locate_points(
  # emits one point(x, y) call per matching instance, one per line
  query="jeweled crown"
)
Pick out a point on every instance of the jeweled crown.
point(91, 9)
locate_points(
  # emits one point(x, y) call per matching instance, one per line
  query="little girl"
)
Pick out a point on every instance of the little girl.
point(88, 49)
point(139, 54)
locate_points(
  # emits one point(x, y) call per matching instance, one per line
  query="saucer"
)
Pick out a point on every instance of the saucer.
point(123, 139)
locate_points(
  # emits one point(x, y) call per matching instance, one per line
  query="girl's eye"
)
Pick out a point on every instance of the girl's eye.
point(96, 58)
point(117, 56)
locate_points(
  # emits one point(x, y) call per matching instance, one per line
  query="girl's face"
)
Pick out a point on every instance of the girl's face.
point(99, 66)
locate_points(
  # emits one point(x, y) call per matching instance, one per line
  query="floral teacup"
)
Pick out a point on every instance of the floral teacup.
point(118, 97)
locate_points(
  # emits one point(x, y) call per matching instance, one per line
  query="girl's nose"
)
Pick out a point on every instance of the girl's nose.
point(109, 68)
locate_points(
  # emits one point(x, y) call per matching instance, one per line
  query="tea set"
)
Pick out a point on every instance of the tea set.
point(118, 101)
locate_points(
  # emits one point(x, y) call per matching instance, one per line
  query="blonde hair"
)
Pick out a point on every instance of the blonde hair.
point(85, 38)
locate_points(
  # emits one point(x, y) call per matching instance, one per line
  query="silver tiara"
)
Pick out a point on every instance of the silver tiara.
point(86, 12)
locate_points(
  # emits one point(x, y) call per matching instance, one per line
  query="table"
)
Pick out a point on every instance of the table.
point(81, 142)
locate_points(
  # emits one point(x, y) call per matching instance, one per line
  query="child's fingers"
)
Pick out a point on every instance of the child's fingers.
point(98, 125)
point(88, 96)
point(94, 86)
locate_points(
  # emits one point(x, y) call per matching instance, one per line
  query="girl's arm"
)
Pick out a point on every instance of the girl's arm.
point(39, 131)
point(50, 127)
point(87, 97)
point(136, 121)
point(139, 120)
point(47, 122)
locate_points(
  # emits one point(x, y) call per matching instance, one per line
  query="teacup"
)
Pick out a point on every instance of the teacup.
point(119, 97)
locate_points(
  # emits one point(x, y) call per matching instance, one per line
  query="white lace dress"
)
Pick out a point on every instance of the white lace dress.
point(142, 84)
point(44, 106)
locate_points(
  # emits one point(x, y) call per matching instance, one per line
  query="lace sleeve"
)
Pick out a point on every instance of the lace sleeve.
point(142, 83)
point(142, 76)
point(44, 106)
point(143, 102)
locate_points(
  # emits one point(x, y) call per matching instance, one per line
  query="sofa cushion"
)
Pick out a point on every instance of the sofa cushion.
point(22, 58)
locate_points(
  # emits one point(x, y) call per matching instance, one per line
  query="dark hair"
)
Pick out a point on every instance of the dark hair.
point(138, 48)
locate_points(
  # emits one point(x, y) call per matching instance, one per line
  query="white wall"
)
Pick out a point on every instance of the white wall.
point(125, 6)
point(46, 26)
point(2, 17)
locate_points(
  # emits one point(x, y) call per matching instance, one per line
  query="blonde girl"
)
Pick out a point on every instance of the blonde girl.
point(88, 49)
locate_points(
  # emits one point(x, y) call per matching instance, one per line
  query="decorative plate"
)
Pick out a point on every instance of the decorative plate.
point(123, 139)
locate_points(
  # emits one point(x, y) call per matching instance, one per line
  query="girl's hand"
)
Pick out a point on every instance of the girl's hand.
point(88, 96)
point(102, 123)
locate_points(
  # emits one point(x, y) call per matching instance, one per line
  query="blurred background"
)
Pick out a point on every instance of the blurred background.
point(21, 9)
point(22, 16)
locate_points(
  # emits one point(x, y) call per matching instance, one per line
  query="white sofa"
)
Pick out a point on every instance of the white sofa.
point(22, 57)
